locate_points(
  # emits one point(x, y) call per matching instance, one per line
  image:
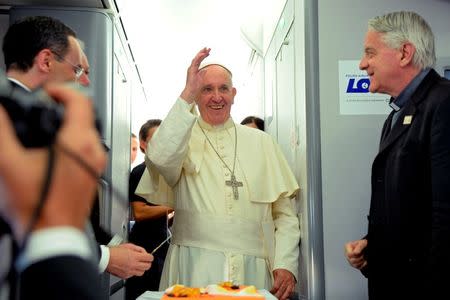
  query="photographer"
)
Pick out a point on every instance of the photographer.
point(40, 50)
point(57, 243)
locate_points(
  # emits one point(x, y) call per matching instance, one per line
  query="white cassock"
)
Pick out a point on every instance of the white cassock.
point(215, 236)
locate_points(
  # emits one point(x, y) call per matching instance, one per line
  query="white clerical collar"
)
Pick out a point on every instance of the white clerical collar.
point(228, 124)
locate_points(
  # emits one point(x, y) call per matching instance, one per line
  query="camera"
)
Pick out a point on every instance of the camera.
point(35, 116)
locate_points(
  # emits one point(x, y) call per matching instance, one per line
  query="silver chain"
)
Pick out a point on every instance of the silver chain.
point(235, 148)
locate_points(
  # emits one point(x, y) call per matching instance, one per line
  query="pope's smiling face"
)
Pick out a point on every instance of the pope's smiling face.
point(216, 95)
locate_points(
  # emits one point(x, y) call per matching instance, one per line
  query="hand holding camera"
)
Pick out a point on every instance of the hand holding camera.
point(25, 155)
point(36, 117)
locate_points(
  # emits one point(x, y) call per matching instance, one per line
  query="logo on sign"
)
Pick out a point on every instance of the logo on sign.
point(358, 86)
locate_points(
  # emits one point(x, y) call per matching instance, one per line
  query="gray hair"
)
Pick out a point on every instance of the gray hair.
point(404, 26)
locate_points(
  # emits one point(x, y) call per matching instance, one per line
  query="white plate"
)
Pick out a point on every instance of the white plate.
point(149, 295)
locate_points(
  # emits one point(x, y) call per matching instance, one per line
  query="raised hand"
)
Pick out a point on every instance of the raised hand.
point(193, 78)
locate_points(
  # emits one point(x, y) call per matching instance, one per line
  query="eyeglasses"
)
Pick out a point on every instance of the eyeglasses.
point(77, 69)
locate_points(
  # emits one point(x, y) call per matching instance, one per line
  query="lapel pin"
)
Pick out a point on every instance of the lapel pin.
point(407, 120)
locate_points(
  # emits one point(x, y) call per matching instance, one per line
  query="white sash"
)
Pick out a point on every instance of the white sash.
point(225, 234)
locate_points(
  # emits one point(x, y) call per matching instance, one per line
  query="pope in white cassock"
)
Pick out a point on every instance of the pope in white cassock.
point(235, 219)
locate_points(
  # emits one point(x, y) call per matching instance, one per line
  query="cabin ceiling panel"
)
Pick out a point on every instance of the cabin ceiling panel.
point(72, 3)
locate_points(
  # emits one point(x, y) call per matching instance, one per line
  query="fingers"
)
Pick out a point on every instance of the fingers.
point(78, 132)
point(139, 262)
point(189, 94)
point(201, 55)
point(196, 61)
point(137, 270)
point(139, 254)
point(357, 263)
point(284, 291)
point(361, 265)
point(361, 246)
point(142, 267)
point(348, 248)
point(355, 248)
point(136, 253)
point(354, 253)
point(285, 295)
point(78, 108)
point(133, 247)
point(143, 257)
point(284, 284)
point(125, 261)
point(276, 285)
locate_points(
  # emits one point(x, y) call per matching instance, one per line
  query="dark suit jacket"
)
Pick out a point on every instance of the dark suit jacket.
point(408, 249)
point(63, 277)
point(148, 234)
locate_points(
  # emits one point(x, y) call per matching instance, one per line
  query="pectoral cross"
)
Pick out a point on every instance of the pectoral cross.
point(234, 185)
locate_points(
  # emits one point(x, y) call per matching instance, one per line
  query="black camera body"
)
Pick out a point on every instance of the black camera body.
point(35, 116)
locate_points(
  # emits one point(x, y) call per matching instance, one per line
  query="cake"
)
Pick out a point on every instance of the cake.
point(221, 291)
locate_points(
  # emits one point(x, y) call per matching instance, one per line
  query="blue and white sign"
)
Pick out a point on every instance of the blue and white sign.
point(354, 95)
